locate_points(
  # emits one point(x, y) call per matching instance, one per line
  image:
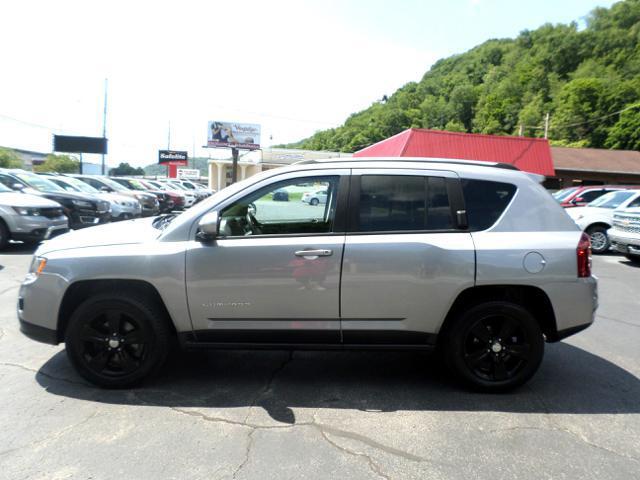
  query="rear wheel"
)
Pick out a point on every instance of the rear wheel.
point(115, 340)
point(314, 201)
point(600, 242)
point(494, 346)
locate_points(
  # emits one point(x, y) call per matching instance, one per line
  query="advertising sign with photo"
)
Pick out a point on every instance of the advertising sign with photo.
point(233, 135)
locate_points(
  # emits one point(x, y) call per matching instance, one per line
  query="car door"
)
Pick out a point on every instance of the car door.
point(407, 256)
point(273, 273)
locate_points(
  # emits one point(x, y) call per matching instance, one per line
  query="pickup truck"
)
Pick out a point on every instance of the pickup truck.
point(625, 233)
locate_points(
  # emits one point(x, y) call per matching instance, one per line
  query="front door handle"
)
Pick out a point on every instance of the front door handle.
point(313, 253)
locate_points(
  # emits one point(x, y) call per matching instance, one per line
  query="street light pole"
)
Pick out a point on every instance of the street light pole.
point(104, 119)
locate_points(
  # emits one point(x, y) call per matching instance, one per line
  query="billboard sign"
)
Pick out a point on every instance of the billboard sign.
point(189, 173)
point(72, 144)
point(233, 135)
point(172, 157)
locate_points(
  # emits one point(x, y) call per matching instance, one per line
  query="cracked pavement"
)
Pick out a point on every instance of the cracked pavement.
point(320, 415)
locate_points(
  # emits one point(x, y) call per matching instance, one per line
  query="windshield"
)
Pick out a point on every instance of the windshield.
point(78, 185)
point(560, 195)
point(38, 182)
point(134, 184)
point(612, 199)
point(176, 186)
point(115, 185)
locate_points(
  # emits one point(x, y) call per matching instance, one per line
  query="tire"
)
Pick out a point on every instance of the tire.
point(4, 235)
point(635, 259)
point(117, 339)
point(476, 353)
point(314, 202)
point(600, 242)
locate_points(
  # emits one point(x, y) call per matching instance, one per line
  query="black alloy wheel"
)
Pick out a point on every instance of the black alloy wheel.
point(495, 346)
point(116, 340)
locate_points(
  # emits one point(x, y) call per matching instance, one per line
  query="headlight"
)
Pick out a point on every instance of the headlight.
point(81, 203)
point(26, 211)
point(37, 265)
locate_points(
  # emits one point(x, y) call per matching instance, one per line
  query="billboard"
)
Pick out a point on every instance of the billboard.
point(172, 157)
point(189, 173)
point(71, 144)
point(233, 135)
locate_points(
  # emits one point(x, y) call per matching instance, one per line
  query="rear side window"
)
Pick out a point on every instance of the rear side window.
point(485, 201)
point(391, 203)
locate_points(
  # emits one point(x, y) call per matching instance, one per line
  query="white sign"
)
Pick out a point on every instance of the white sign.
point(233, 135)
point(189, 173)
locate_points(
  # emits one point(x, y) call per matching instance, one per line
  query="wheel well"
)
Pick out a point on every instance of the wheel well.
point(80, 291)
point(533, 299)
point(597, 224)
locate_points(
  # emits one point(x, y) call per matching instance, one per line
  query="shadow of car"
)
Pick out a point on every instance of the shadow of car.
point(571, 380)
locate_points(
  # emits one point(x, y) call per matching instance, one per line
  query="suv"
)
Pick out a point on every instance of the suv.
point(475, 259)
point(82, 209)
point(597, 217)
point(580, 196)
point(625, 234)
point(122, 207)
point(29, 218)
point(165, 202)
point(148, 201)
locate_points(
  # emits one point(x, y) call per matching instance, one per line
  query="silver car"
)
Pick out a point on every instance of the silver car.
point(473, 259)
point(29, 218)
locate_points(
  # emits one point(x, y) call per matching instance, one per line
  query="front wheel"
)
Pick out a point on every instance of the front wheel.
point(600, 242)
point(314, 201)
point(494, 346)
point(115, 340)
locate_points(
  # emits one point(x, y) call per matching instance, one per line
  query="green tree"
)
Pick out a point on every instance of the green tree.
point(59, 163)
point(9, 159)
point(124, 169)
point(625, 134)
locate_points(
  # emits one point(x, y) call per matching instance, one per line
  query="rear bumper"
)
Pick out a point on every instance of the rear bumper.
point(574, 305)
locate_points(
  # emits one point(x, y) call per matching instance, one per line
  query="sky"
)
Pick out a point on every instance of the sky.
point(294, 67)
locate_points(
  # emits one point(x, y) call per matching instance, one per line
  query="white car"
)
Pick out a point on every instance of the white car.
point(315, 198)
point(597, 217)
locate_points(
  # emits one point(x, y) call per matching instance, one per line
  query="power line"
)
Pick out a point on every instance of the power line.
point(536, 127)
point(31, 124)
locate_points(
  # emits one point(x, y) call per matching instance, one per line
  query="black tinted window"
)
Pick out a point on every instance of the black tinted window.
point(485, 201)
point(403, 203)
point(634, 203)
point(591, 195)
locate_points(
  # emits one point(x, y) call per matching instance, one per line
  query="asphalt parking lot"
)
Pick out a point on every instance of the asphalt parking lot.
point(239, 414)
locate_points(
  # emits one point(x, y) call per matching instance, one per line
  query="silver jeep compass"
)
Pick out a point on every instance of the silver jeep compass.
point(473, 259)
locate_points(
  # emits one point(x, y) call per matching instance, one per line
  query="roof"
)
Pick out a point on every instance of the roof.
point(528, 154)
point(596, 160)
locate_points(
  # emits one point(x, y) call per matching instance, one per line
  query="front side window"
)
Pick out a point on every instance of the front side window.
point(279, 209)
point(403, 203)
point(590, 195)
point(634, 203)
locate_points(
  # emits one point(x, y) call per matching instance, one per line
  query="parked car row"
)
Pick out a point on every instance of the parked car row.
point(597, 217)
point(39, 206)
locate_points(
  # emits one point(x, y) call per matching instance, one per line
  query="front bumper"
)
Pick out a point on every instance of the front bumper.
point(624, 242)
point(38, 306)
point(123, 212)
point(88, 218)
point(29, 228)
point(38, 333)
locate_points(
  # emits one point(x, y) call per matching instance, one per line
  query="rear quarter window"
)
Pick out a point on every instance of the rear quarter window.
point(485, 201)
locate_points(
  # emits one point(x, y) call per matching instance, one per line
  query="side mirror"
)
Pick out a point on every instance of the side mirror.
point(578, 200)
point(208, 227)
point(17, 187)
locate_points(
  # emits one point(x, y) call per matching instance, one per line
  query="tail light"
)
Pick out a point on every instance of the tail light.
point(584, 256)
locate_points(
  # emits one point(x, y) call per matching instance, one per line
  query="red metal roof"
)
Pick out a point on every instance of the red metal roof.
point(528, 154)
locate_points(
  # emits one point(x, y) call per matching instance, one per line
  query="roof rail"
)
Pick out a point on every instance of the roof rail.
point(477, 163)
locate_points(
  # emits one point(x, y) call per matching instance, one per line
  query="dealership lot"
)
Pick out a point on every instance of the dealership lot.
point(240, 414)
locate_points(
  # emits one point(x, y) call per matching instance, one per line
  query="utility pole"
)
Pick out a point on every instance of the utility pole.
point(546, 125)
point(234, 170)
point(169, 136)
point(104, 119)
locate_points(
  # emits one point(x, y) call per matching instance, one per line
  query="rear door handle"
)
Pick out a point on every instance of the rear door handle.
point(313, 253)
